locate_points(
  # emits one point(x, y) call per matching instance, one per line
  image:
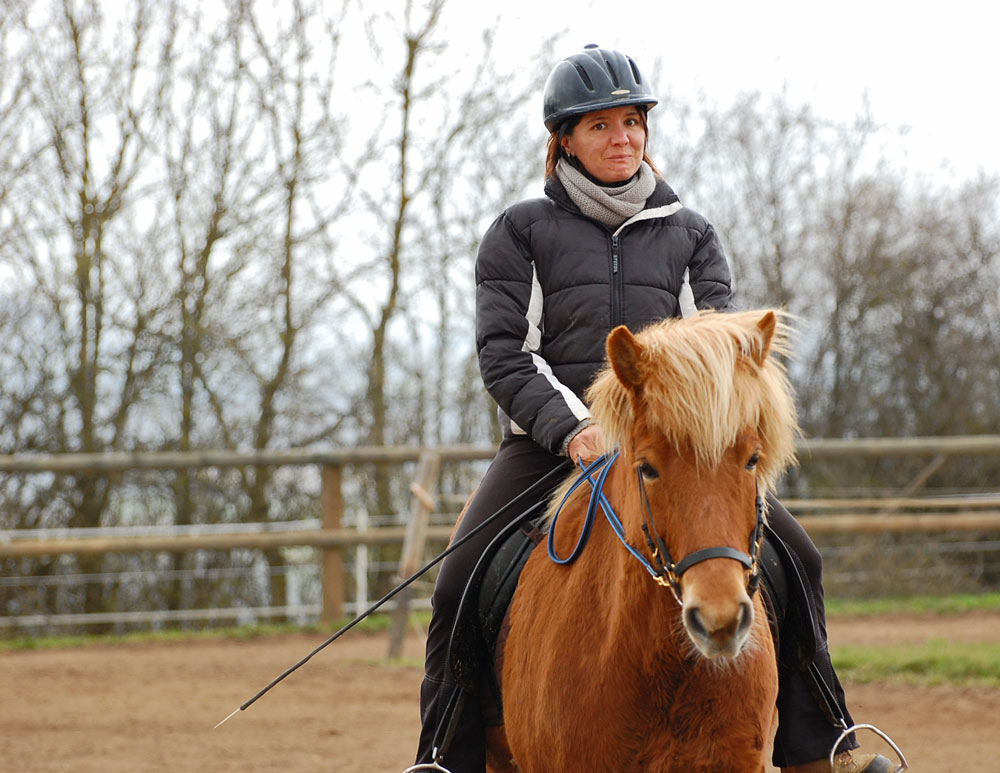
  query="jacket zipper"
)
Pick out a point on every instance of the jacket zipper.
point(616, 283)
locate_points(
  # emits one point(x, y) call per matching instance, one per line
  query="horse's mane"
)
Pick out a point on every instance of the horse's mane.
point(703, 388)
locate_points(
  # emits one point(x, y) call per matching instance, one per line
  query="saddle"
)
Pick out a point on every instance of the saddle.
point(482, 622)
point(476, 646)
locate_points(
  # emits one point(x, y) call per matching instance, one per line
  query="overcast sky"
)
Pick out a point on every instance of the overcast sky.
point(932, 67)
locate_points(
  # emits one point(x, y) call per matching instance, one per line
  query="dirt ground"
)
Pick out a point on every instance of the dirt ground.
point(153, 708)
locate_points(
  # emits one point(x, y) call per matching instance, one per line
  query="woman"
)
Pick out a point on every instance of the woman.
point(609, 244)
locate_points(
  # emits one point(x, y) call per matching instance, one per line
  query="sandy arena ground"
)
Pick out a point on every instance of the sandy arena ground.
point(153, 708)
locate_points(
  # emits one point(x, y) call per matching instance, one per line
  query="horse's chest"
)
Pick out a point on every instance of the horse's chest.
point(679, 720)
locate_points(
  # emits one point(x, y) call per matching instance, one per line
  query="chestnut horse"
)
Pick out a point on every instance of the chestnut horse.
point(604, 668)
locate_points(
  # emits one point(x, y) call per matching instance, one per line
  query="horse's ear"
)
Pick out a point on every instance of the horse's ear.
point(760, 348)
point(624, 354)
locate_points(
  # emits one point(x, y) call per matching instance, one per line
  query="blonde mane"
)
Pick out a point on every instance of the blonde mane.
point(703, 387)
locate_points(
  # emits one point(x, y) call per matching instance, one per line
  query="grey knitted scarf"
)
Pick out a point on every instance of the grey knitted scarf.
point(610, 205)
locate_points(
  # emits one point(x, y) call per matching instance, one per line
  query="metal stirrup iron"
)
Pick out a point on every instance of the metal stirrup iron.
point(847, 731)
point(426, 766)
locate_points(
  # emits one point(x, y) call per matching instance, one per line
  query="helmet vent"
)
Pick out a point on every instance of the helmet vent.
point(613, 74)
point(584, 77)
point(635, 70)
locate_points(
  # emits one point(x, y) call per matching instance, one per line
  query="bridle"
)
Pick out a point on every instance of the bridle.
point(660, 565)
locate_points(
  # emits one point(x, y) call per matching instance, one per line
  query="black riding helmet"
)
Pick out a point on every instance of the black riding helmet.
point(593, 79)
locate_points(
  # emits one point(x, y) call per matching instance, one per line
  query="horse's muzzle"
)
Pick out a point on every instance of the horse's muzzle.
point(719, 632)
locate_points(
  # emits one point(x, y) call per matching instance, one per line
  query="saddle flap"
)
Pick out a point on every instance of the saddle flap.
point(485, 600)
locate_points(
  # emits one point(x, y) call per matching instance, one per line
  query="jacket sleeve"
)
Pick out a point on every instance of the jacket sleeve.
point(711, 282)
point(509, 323)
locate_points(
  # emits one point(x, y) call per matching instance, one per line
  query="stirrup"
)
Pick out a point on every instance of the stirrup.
point(833, 752)
point(427, 765)
point(434, 764)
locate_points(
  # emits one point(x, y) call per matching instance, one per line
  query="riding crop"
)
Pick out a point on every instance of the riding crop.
point(546, 481)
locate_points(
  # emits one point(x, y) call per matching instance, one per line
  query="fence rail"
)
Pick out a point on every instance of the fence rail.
point(890, 515)
point(183, 460)
point(179, 460)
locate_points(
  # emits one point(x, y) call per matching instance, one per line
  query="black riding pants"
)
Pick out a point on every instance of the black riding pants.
point(804, 734)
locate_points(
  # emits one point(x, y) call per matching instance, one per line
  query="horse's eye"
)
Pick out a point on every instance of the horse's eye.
point(648, 471)
point(752, 464)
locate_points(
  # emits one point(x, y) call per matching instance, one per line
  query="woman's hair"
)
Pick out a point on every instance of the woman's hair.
point(554, 146)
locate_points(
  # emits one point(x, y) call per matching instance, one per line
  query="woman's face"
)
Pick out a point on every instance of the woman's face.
point(609, 143)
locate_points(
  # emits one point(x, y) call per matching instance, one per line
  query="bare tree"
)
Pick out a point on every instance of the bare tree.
point(893, 278)
point(197, 240)
point(454, 163)
point(945, 364)
point(71, 206)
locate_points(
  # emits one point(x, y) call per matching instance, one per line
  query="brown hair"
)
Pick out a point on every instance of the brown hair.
point(553, 147)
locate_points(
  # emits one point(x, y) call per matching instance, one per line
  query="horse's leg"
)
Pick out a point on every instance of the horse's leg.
point(499, 758)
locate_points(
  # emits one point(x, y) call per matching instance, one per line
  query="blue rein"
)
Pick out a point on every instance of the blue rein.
point(601, 466)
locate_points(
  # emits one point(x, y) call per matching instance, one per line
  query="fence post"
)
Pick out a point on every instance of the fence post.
point(332, 506)
point(421, 505)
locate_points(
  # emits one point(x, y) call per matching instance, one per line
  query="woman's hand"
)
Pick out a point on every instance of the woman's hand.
point(587, 445)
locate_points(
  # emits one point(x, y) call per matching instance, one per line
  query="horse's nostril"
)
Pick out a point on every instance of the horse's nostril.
point(694, 622)
point(745, 616)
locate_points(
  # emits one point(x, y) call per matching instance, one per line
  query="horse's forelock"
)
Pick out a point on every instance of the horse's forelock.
point(701, 389)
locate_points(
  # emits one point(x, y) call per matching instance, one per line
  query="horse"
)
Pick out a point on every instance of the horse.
point(625, 658)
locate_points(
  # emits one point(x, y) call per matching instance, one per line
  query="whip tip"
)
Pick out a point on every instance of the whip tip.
point(237, 709)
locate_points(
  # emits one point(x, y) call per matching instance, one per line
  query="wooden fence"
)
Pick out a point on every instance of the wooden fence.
point(880, 515)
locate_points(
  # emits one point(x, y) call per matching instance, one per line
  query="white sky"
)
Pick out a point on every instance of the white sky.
point(932, 67)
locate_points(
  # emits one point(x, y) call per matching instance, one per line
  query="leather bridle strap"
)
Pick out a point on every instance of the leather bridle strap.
point(668, 573)
point(708, 553)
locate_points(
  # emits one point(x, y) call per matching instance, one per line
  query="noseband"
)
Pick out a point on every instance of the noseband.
point(661, 566)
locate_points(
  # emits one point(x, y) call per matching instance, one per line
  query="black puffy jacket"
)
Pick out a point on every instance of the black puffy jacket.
point(552, 283)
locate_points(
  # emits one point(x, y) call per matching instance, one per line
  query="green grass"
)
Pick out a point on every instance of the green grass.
point(373, 624)
point(931, 662)
point(939, 605)
point(928, 663)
